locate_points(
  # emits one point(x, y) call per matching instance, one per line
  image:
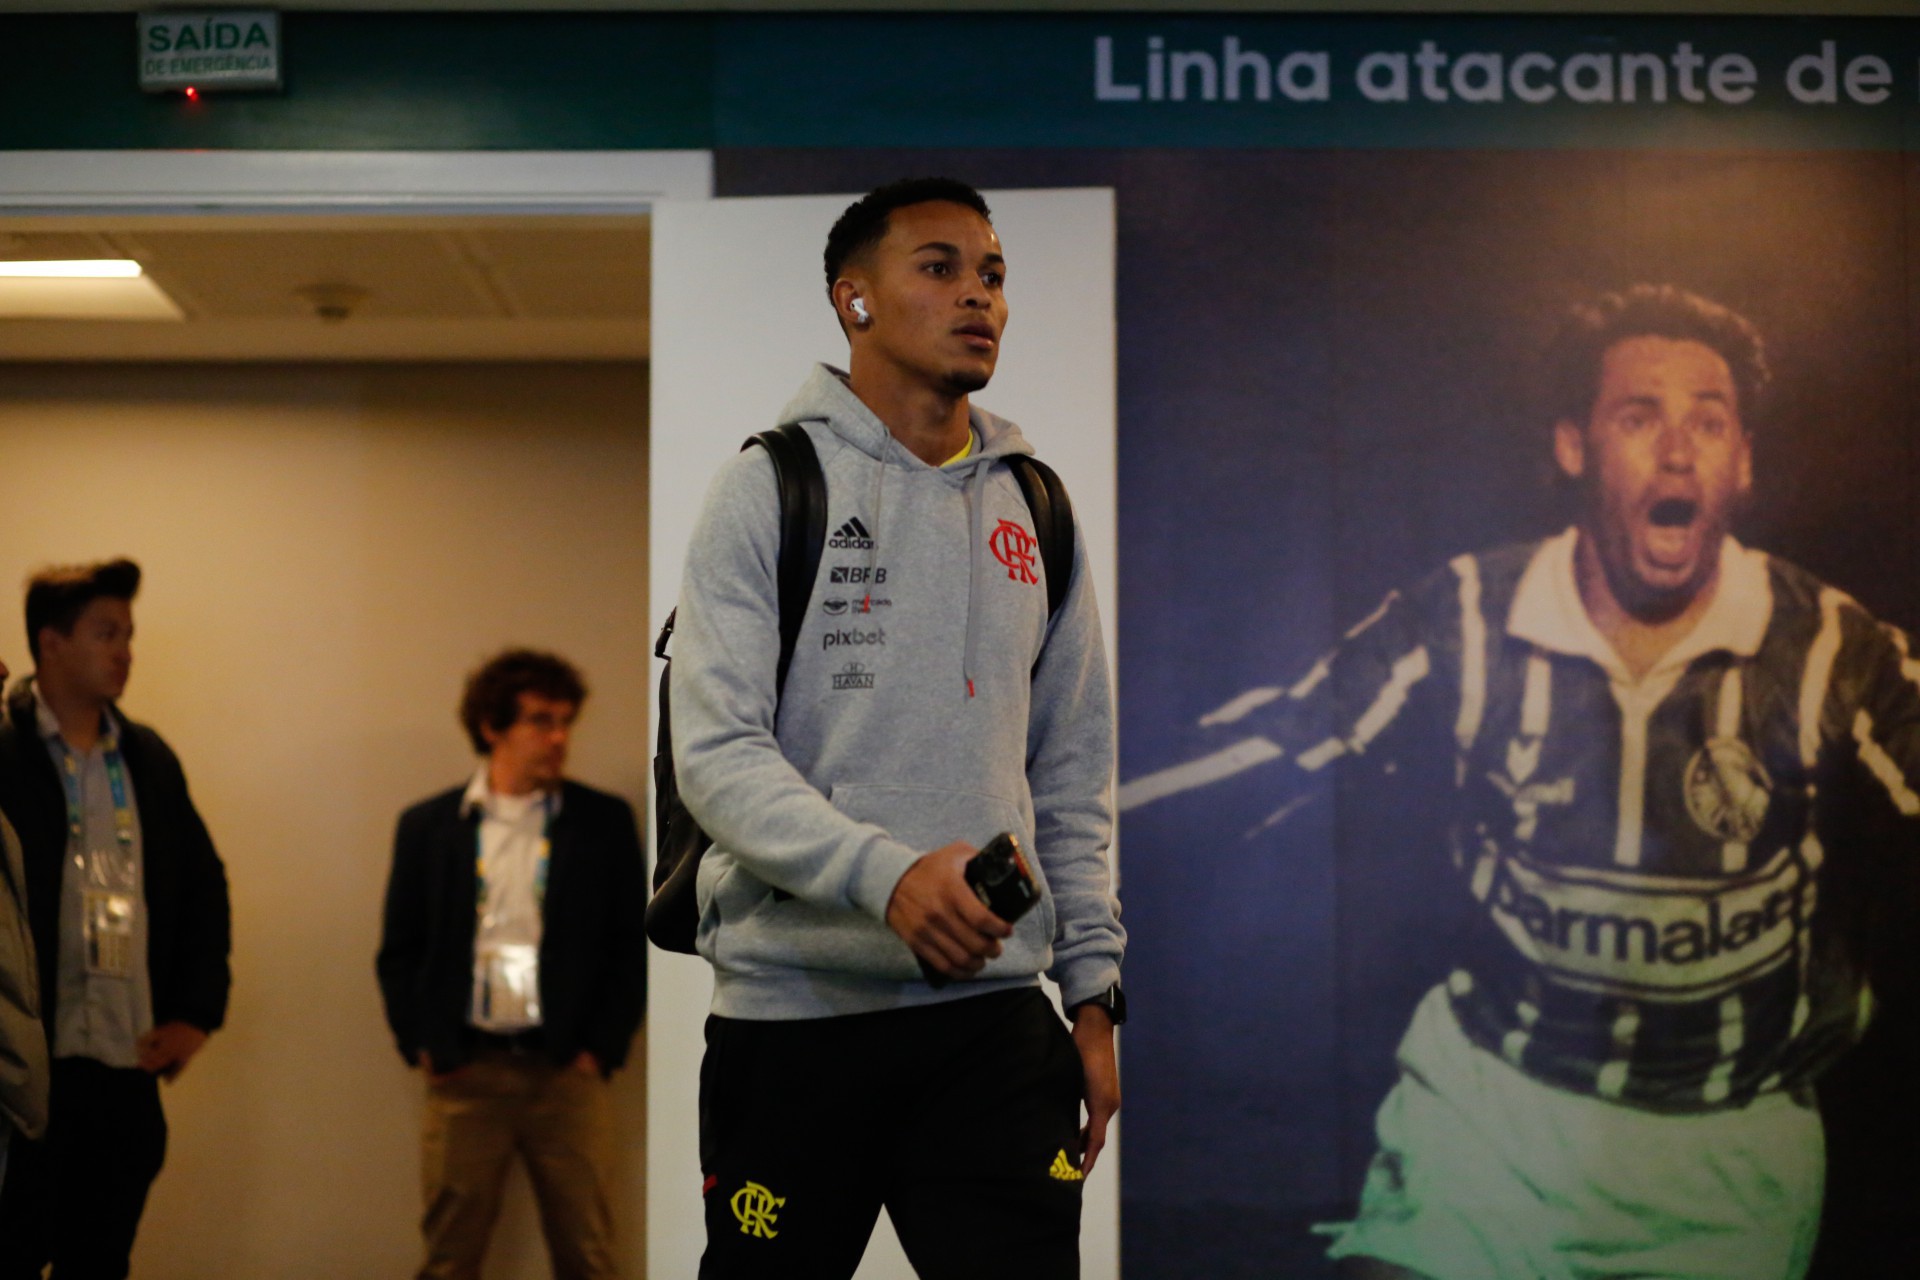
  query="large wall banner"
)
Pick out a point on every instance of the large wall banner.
point(1518, 531)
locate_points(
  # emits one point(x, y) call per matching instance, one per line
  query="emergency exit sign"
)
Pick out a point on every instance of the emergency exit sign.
point(230, 49)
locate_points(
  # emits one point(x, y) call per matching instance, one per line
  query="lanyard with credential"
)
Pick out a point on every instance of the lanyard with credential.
point(539, 866)
point(76, 812)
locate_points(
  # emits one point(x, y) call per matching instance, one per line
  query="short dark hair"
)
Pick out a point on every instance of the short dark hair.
point(492, 696)
point(864, 224)
point(59, 594)
point(1649, 310)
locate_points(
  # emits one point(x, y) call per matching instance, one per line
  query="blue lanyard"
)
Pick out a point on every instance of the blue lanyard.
point(539, 867)
point(123, 818)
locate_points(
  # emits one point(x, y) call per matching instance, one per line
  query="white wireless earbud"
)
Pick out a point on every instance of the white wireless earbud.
point(859, 308)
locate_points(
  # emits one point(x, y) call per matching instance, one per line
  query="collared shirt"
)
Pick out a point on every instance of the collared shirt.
point(1547, 611)
point(99, 1016)
point(512, 888)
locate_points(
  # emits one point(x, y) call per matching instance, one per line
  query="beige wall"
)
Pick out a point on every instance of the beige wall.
point(328, 549)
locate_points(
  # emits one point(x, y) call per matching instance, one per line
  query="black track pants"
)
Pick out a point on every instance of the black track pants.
point(75, 1198)
point(961, 1118)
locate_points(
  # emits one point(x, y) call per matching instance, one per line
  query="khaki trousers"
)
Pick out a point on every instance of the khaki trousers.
point(560, 1120)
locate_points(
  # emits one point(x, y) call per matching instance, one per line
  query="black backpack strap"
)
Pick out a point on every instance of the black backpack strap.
point(1052, 522)
point(803, 528)
point(663, 736)
point(673, 918)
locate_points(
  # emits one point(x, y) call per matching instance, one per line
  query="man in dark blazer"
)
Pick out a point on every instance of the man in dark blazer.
point(127, 902)
point(513, 967)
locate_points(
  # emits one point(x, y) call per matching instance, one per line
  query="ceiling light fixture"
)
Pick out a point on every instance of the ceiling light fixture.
point(82, 289)
point(72, 269)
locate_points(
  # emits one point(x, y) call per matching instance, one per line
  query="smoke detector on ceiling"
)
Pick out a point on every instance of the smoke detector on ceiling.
point(332, 303)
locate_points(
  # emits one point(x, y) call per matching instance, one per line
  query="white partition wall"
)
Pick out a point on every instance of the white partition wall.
point(739, 314)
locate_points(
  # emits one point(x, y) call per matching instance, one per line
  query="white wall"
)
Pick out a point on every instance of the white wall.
point(328, 550)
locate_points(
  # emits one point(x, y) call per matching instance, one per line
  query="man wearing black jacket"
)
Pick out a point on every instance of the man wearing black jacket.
point(127, 902)
point(513, 966)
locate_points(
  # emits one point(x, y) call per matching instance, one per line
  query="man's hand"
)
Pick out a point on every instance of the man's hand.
point(936, 913)
point(166, 1050)
point(1093, 1037)
point(586, 1064)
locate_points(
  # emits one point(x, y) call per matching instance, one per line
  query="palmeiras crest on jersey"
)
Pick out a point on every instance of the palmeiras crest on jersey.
point(1727, 790)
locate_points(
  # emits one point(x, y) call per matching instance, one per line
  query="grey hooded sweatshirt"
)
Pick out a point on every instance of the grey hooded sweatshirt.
point(929, 700)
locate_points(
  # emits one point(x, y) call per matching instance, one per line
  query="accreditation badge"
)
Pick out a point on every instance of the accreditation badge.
point(107, 923)
point(506, 985)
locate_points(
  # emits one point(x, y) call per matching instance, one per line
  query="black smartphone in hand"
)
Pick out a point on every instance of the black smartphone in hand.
point(1004, 883)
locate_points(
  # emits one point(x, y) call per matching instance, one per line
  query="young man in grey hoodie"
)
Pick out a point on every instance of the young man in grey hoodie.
point(932, 702)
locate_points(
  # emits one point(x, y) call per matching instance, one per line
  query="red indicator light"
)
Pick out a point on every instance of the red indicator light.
point(193, 94)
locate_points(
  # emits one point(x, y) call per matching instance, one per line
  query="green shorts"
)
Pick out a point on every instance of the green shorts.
point(1484, 1173)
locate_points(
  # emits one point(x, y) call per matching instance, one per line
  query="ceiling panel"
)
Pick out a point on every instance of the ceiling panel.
point(55, 244)
point(551, 287)
point(257, 274)
point(601, 274)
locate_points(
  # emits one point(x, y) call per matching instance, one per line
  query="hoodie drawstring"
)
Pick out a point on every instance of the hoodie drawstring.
point(976, 547)
point(879, 491)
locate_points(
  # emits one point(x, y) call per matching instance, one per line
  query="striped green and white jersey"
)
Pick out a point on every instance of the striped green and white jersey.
point(1672, 873)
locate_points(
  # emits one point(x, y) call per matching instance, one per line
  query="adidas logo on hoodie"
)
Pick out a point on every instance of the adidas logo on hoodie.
point(851, 536)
